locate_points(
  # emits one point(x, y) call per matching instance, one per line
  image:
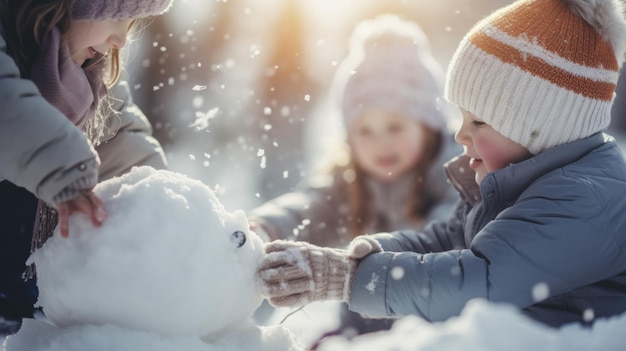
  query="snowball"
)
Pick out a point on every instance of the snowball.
point(168, 259)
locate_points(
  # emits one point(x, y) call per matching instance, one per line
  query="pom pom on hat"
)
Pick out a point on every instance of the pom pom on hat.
point(90, 10)
point(541, 72)
point(390, 67)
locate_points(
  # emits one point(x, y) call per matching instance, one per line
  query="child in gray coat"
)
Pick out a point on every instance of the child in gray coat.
point(541, 223)
point(58, 59)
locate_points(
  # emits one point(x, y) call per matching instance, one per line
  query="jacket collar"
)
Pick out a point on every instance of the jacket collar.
point(461, 176)
point(513, 179)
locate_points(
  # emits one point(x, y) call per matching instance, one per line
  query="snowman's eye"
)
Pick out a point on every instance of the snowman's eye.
point(238, 238)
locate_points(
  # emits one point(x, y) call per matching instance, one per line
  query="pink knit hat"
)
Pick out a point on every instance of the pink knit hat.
point(89, 10)
point(390, 66)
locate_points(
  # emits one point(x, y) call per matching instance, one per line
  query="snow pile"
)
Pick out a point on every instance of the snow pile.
point(484, 326)
point(169, 267)
point(170, 271)
point(41, 336)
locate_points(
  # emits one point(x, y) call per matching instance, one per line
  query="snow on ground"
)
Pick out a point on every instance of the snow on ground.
point(42, 336)
point(170, 270)
point(482, 326)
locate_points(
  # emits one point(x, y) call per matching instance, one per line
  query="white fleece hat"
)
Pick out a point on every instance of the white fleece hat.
point(389, 66)
point(541, 72)
point(88, 10)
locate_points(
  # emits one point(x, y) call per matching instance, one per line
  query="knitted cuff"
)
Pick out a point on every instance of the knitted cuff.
point(332, 271)
point(72, 190)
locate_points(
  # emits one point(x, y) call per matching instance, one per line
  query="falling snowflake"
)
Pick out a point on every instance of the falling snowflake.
point(202, 119)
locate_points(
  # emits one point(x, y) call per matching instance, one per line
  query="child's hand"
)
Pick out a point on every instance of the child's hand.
point(294, 273)
point(362, 246)
point(86, 202)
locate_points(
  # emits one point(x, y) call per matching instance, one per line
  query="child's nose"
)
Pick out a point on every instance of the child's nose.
point(460, 135)
point(118, 41)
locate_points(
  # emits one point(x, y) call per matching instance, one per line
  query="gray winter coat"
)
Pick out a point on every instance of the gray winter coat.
point(318, 212)
point(42, 151)
point(548, 236)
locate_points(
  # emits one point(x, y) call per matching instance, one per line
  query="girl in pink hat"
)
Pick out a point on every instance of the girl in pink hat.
point(388, 174)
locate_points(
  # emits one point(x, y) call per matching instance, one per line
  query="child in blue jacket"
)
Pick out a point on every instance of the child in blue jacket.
point(541, 223)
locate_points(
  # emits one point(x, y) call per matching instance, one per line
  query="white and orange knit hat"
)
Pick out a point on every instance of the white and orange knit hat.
point(541, 72)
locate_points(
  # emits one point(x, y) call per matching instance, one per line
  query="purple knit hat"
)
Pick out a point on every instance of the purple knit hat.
point(89, 10)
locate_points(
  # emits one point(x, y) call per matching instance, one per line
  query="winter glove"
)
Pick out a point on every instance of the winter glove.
point(362, 246)
point(295, 273)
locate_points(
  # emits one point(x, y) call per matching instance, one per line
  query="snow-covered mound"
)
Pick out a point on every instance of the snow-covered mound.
point(169, 259)
point(169, 271)
point(41, 336)
point(484, 326)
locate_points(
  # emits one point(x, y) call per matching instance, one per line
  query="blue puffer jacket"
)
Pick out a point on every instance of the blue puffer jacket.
point(547, 235)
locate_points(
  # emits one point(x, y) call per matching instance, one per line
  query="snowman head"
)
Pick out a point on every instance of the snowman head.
point(168, 259)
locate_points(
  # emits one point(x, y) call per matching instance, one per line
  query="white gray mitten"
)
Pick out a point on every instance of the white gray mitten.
point(294, 273)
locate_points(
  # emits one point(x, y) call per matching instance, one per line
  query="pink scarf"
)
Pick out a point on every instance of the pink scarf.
point(71, 89)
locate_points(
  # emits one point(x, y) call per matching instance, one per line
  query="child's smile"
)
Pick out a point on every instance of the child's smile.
point(88, 40)
point(475, 163)
point(386, 145)
point(387, 161)
point(94, 54)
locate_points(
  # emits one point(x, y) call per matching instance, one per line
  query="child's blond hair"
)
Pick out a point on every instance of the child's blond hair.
point(26, 24)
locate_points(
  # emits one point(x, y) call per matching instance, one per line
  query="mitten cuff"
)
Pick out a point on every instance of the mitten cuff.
point(332, 274)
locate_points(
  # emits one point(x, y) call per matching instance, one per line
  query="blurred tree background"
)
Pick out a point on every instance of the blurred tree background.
point(237, 90)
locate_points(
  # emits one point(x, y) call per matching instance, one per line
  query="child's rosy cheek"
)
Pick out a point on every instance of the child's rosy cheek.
point(492, 154)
